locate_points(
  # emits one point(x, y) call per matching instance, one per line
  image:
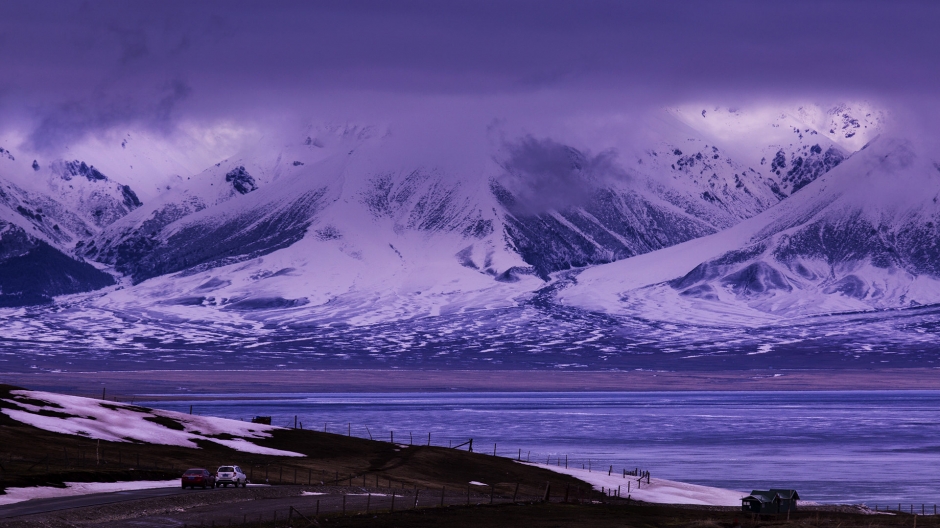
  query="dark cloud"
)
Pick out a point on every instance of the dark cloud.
point(69, 121)
point(545, 175)
point(108, 58)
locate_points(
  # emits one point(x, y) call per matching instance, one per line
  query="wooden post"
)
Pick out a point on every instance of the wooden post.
point(515, 492)
point(417, 492)
point(344, 504)
point(609, 471)
point(190, 409)
point(429, 439)
point(393, 501)
point(295, 421)
point(548, 491)
point(566, 461)
point(349, 429)
point(368, 501)
point(411, 438)
point(519, 458)
point(494, 449)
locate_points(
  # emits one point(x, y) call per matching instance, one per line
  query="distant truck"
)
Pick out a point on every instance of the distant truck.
point(266, 420)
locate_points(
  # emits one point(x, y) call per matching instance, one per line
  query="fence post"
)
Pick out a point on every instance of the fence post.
point(417, 493)
point(548, 491)
point(393, 500)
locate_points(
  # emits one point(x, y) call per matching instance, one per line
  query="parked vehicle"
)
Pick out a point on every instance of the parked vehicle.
point(198, 477)
point(230, 475)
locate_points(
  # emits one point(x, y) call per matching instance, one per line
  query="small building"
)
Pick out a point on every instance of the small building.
point(770, 501)
point(266, 420)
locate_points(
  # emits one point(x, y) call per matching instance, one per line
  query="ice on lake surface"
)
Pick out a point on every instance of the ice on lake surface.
point(873, 447)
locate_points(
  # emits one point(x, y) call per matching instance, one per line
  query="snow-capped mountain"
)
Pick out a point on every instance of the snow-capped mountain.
point(348, 223)
point(861, 237)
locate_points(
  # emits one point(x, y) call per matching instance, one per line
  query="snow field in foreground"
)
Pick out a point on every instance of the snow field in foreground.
point(81, 488)
point(120, 422)
point(658, 490)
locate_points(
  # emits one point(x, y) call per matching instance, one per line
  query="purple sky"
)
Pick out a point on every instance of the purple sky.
point(86, 67)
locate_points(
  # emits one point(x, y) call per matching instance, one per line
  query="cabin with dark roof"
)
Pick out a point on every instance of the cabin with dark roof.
point(770, 501)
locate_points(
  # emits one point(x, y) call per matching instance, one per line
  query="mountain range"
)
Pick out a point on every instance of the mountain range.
point(718, 217)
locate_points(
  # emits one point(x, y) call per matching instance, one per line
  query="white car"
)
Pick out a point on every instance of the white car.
point(230, 475)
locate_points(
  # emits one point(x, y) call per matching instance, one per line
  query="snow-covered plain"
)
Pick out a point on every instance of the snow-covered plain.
point(658, 490)
point(121, 422)
point(14, 495)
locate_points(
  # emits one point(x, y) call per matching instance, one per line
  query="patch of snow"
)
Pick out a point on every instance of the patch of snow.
point(658, 490)
point(14, 495)
point(475, 483)
point(119, 422)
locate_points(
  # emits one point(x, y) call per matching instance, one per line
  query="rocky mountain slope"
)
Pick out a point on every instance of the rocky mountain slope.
point(348, 221)
point(861, 237)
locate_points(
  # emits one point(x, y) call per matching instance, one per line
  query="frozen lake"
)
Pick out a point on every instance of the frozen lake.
point(876, 447)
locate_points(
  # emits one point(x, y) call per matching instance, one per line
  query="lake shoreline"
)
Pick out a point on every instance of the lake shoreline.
point(234, 382)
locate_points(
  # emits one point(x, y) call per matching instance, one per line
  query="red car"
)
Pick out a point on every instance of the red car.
point(198, 477)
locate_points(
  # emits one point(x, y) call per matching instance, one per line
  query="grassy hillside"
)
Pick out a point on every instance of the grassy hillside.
point(31, 456)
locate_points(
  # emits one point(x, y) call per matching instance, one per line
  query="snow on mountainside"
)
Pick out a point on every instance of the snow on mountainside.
point(862, 237)
point(263, 230)
point(43, 212)
point(353, 217)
